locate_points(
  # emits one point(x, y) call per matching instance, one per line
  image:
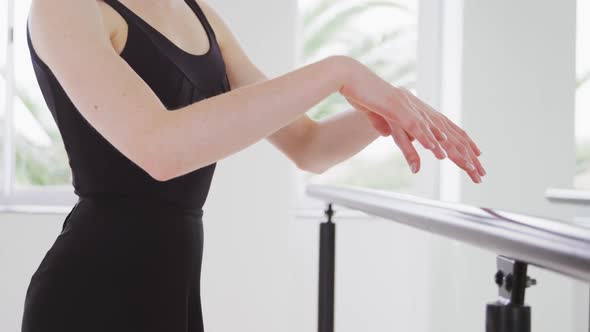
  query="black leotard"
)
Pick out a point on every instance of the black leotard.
point(128, 257)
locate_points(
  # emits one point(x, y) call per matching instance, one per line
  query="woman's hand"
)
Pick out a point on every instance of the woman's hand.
point(397, 112)
point(400, 137)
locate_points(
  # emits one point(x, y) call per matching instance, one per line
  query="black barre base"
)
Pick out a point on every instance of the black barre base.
point(508, 318)
point(509, 313)
point(326, 273)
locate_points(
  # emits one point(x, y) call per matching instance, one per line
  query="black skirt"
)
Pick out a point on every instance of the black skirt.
point(120, 264)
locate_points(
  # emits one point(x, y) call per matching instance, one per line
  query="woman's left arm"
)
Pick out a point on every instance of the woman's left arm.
point(313, 146)
point(337, 138)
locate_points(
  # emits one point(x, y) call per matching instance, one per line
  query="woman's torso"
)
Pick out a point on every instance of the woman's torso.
point(178, 76)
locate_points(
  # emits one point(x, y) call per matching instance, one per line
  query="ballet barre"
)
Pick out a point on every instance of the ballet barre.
point(518, 240)
point(568, 196)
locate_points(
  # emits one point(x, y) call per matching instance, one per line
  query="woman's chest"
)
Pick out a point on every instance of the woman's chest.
point(177, 77)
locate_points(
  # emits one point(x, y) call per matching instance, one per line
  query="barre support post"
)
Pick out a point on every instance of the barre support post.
point(510, 313)
point(326, 273)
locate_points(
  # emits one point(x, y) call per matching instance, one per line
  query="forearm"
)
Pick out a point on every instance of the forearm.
point(337, 138)
point(217, 127)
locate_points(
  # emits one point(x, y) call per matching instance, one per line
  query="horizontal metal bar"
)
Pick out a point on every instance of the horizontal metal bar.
point(568, 196)
point(551, 244)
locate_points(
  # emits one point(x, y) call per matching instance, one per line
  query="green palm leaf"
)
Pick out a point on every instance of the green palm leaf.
point(311, 15)
point(324, 6)
point(316, 39)
point(323, 26)
point(365, 46)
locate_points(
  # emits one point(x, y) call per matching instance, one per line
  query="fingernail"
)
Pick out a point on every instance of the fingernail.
point(414, 167)
point(477, 179)
point(483, 171)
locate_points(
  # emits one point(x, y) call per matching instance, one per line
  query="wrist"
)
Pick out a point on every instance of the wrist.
point(343, 69)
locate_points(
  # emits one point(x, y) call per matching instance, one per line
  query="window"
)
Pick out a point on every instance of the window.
point(582, 179)
point(383, 36)
point(3, 75)
point(34, 161)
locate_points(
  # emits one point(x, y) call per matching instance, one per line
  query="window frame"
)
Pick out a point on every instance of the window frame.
point(8, 136)
point(46, 199)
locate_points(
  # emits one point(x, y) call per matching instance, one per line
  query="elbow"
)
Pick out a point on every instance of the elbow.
point(304, 158)
point(159, 174)
point(163, 167)
point(156, 171)
point(153, 164)
point(311, 166)
point(157, 161)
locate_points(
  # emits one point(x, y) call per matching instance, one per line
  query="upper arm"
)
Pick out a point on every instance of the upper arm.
point(72, 39)
point(241, 71)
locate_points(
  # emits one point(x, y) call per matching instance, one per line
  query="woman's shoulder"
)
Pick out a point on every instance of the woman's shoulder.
point(40, 10)
point(219, 27)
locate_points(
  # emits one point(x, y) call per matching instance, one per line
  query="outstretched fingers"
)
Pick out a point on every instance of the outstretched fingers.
point(403, 141)
point(468, 148)
point(457, 141)
point(465, 136)
point(417, 127)
point(461, 154)
point(421, 128)
point(405, 117)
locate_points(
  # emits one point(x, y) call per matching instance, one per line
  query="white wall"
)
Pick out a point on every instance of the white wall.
point(509, 71)
point(245, 272)
point(24, 239)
